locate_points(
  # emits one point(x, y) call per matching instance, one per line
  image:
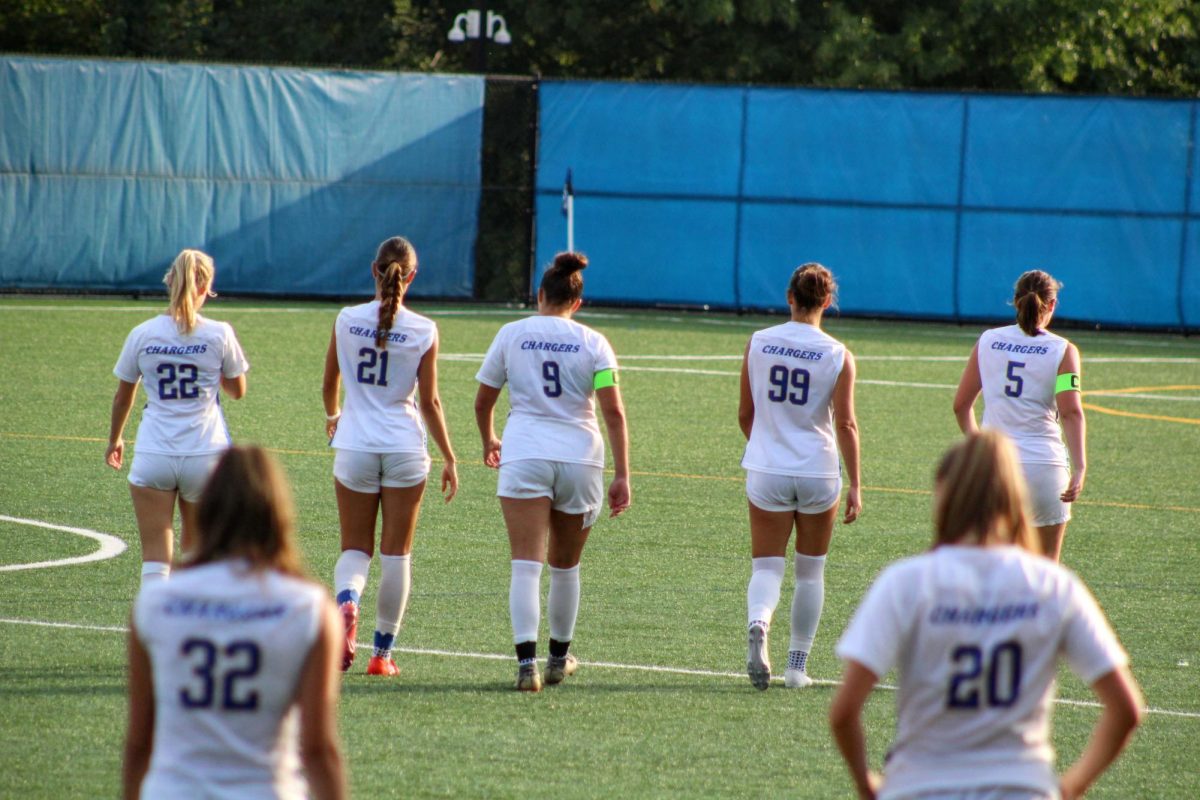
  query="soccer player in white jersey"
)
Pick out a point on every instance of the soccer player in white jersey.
point(388, 357)
point(186, 360)
point(233, 663)
point(1029, 378)
point(797, 413)
point(976, 628)
point(552, 459)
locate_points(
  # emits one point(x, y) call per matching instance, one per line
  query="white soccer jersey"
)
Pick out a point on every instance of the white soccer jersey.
point(227, 647)
point(976, 633)
point(182, 379)
point(1018, 372)
point(380, 414)
point(550, 365)
point(793, 369)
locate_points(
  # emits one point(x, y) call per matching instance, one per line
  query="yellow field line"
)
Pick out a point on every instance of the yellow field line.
point(647, 474)
point(1136, 415)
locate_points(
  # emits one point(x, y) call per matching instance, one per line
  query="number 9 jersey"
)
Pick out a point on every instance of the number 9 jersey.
point(793, 369)
point(550, 365)
point(182, 376)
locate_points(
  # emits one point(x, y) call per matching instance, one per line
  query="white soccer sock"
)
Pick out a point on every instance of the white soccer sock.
point(562, 604)
point(808, 601)
point(395, 579)
point(524, 599)
point(350, 572)
point(153, 571)
point(762, 595)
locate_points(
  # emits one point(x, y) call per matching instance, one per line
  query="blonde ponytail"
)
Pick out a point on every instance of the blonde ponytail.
point(190, 271)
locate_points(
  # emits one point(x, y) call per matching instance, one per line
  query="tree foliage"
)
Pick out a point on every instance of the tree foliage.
point(1129, 47)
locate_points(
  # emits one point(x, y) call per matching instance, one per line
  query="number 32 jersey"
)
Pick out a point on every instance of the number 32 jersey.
point(1018, 373)
point(227, 646)
point(182, 376)
point(976, 633)
point(793, 369)
point(550, 365)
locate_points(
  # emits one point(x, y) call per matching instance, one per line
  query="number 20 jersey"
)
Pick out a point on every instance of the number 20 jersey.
point(381, 414)
point(227, 646)
point(182, 378)
point(976, 633)
point(1018, 372)
point(793, 369)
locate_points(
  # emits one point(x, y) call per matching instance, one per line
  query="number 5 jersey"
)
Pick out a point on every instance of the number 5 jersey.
point(182, 375)
point(1018, 372)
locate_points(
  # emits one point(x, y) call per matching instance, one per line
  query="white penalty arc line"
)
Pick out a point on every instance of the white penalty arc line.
point(703, 673)
point(110, 546)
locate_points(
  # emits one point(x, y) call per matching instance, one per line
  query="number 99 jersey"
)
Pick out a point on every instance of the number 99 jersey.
point(227, 646)
point(976, 633)
point(550, 365)
point(182, 378)
point(793, 369)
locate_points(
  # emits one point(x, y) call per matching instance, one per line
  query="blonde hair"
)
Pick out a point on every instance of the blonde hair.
point(190, 271)
point(980, 497)
point(394, 263)
point(246, 511)
point(1033, 293)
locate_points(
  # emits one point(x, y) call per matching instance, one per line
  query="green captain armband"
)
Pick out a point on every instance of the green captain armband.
point(1067, 382)
point(605, 378)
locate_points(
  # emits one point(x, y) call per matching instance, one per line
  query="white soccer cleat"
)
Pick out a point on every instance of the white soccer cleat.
point(796, 679)
point(758, 664)
point(559, 669)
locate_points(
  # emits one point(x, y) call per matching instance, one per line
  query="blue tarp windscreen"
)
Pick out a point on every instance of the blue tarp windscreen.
point(924, 205)
point(289, 178)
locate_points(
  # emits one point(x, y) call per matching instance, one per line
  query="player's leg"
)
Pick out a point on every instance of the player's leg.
point(1047, 512)
point(813, 534)
point(401, 507)
point(578, 499)
point(356, 487)
point(155, 513)
point(527, 520)
point(1051, 537)
point(772, 504)
point(191, 476)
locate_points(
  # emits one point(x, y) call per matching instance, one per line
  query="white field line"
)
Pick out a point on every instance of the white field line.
point(758, 322)
point(703, 673)
point(110, 546)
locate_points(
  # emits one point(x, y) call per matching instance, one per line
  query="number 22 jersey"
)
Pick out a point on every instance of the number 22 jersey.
point(183, 383)
point(976, 633)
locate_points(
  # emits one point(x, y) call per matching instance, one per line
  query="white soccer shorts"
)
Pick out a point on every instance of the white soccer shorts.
point(800, 495)
point(1046, 483)
point(185, 474)
point(572, 488)
point(368, 472)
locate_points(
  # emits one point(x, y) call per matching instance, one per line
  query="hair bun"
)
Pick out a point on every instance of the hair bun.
point(570, 262)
